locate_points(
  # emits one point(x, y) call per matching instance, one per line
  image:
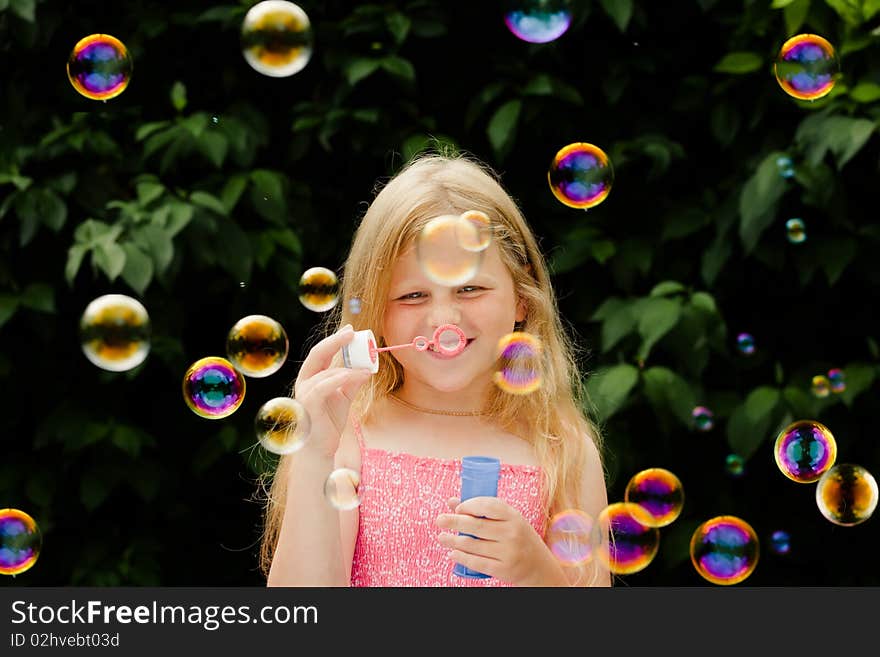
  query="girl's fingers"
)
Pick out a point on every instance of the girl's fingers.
point(480, 527)
point(303, 388)
point(322, 353)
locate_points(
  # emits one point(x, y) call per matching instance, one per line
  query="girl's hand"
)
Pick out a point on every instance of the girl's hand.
point(510, 550)
point(327, 392)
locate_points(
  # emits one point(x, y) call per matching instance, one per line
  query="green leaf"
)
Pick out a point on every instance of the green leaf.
point(234, 251)
point(93, 490)
point(865, 92)
point(849, 10)
point(25, 9)
point(739, 62)
point(744, 433)
point(213, 145)
point(147, 129)
point(398, 24)
point(714, 257)
point(669, 392)
point(858, 377)
point(795, 14)
point(109, 257)
point(74, 259)
point(667, 288)
point(799, 402)
point(360, 68)
point(37, 205)
point(608, 389)
point(620, 12)
point(8, 306)
point(705, 302)
point(149, 191)
point(779, 4)
point(39, 296)
point(138, 269)
point(178, 95)
point(656, 317)
point(836, 253)
point(181, 215)
point(208, 201)
point(195, 124)
point(502, 126)
point(620, 323)
point(761, 402)
point(843, 136)
point(155, 241)
point(232, 191)
point(399, 67)
point(758, 200)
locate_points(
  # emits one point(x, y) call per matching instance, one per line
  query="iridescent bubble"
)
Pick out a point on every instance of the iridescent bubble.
point(354, 306)
point(257, 346)
point(847, 494)
point(474, 230)
point(282, 425)
point(276, 38)
point(745, 344)
point(319, 289)
point(213, 388)
point(633, 541)
point(572, 536)
point(724, 550)
point(805, 450)
point(780, 542)
point(114, 332)
point(806, 67)
point(785, 166)
point(580, 175)
point(99, 67)
point(520, 369)
point(796, 231)
point(659, 492)
point(538, 21)
point(440, 253)
point(735, 465)
point(837, 380)
point(820, 386)
point(341, 489)
point(20, 542)
point(704, 419)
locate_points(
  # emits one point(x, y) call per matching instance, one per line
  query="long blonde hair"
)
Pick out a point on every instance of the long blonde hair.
point(428, 186)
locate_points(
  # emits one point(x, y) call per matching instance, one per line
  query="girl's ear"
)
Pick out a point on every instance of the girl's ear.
point(520, 311)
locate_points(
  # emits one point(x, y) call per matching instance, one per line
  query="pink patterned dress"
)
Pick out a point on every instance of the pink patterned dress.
point(401, 495)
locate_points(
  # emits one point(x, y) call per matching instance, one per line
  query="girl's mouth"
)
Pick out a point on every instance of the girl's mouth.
point(441, 356)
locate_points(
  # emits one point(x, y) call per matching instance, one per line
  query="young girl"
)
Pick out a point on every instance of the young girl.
point(406, 428)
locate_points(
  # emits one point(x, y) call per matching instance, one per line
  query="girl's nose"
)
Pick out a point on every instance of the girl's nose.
point(444, 313)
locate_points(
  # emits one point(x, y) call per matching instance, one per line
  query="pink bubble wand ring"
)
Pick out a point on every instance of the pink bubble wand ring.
point(441, 341)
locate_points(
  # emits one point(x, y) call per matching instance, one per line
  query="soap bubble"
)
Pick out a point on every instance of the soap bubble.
point(806, 67)
point(319, 289)
point(847, 494)
point(257, 346)
point(538, 21)
point(820, 386)
point(633, 541)
point(745, 344)
point(276, 38)
point(20, 542)
point(282, 425)
point(99, 67)
point(659, 492)
point(703, 418)
point(114, 332)
point(780, 542)
point(572, 535)
point(580, 175)
point(354, 306)
point(796, 231)
point(441, 252)
point(837, 380)
point(474, 230)
point(785, 166)
point(520, 369)
point(724, 550)
point(213, 388)
point(735, 465)
point(805, 450)
point(341, 489)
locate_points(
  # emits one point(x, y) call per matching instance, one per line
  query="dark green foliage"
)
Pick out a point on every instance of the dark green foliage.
point(206, 189)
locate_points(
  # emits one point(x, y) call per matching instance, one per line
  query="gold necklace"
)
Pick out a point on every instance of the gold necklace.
point(434, 411)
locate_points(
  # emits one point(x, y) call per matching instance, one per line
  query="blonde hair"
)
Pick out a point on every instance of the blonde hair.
point(428, 186)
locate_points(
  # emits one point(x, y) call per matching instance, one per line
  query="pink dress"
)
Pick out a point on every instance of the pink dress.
point(401, 496)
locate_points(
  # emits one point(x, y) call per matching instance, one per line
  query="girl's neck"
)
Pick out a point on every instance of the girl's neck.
point(433, 402)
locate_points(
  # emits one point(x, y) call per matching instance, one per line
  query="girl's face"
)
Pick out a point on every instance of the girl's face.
point(485, 308)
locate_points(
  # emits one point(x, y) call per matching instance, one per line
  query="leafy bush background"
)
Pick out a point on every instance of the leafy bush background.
point(205, 190)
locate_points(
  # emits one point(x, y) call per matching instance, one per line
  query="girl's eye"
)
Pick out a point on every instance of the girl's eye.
point(470, 288)
point(411, 296)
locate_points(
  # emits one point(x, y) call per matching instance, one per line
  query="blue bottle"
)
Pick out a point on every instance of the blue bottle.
point(479, 478)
